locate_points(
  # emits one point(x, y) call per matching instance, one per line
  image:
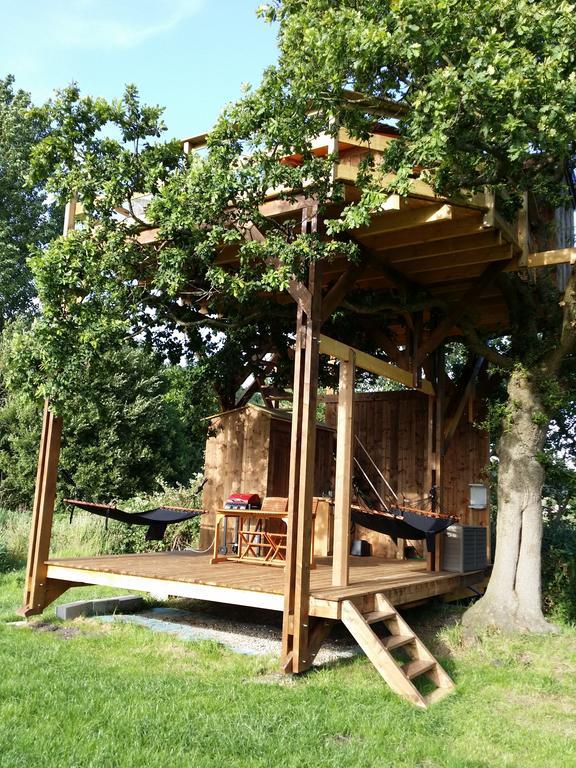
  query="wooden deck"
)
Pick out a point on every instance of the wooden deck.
point(185, 574)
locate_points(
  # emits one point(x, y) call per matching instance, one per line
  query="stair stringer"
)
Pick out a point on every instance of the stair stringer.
point(380, 657)
point(386, 664)
point(437, 674)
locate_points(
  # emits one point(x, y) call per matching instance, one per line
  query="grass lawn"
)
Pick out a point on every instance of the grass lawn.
point(85, 694)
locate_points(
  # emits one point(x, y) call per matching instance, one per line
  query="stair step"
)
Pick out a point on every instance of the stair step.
point(417, 667)
point(375, 616)
point(396, 641)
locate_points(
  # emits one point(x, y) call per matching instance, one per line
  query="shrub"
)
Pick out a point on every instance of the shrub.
point(124, 539)
point(133, 420)
point(559, 567)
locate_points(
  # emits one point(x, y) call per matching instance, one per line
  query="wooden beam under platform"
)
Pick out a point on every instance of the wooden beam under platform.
point(341, 351)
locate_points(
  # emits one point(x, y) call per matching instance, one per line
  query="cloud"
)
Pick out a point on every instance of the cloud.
point(105, 24)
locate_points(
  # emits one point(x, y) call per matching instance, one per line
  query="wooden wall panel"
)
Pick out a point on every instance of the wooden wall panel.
point(255, 451)
point(249, 452)
point(465, 462)
point(279, 461)
point(393, 427)
point(236, 461)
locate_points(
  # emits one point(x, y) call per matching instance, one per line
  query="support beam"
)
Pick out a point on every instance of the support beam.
point(295, 627)
point(385, 342)
point(344, 471)
point(341, 287)
point(372, 364)
point(463, 395)
point(440, 383)
point(37, 591)
point(551, 258)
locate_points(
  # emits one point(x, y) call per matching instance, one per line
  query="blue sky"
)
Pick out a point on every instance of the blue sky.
point(190, 56)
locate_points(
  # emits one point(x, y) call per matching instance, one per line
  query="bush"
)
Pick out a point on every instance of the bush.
point(133, 420)
point(87, 535)
point(125, 539)
point(559, 567)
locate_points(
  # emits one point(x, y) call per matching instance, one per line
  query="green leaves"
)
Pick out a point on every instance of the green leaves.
point(26, 218)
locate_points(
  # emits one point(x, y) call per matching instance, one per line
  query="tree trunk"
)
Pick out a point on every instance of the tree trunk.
point(513, 599)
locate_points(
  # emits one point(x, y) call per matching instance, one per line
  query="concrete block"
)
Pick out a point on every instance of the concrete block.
point(104, 605)
point(70, 611)
point(100, 607)
point(130, 604)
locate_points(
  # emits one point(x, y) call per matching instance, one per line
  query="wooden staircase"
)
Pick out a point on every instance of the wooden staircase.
point(399, 674)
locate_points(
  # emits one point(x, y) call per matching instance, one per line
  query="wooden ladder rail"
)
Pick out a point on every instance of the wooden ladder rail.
point(398, 676)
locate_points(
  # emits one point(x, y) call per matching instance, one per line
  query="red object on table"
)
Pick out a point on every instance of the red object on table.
point(243, 501)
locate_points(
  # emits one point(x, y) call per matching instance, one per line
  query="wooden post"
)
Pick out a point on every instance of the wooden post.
point(439, 441)
point(295, 628)
point(344, 462)
point(36, 590)
point(431, 456)
point(38, 593)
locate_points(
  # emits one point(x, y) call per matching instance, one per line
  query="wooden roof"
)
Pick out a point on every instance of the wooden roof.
point(420, 244)
point(445, 251)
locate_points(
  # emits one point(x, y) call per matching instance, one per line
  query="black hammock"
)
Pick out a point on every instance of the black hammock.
point(157, 519)
point(403, 524)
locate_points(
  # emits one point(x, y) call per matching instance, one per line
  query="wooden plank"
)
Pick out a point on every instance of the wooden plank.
point(35, 590)
point(376, 141)
point(412, 217)
point(438, 248)
point(194, 591)
point(551, 258)
point(426, 233)
point(301, 490)
point(319, 631)
point(414, 269)
point(340, 351)
point(344, 472)
point(70, 215)
point(349, 173)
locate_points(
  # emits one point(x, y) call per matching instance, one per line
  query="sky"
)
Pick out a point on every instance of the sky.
point(189, 56)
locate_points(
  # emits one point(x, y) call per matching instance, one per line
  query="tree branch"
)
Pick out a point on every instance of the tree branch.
point(476, 344)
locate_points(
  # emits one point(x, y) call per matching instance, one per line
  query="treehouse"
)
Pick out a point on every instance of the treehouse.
point(438, 262)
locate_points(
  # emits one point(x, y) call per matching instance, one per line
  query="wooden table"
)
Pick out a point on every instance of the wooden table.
point(256, 543)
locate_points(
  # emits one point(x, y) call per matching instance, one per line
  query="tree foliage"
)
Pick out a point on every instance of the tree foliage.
point(27, 220)
point(133, 423)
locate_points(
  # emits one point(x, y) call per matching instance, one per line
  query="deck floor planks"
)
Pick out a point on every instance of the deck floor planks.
point(367, 575)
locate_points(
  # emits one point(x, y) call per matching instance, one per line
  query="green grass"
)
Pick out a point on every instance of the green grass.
point(83, 694)
point(87, 694)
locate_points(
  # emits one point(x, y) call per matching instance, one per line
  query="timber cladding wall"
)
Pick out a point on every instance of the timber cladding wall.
point(248, 451)
point(393, 426)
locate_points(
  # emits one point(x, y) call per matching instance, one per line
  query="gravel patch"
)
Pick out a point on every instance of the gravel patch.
point(257, 633)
